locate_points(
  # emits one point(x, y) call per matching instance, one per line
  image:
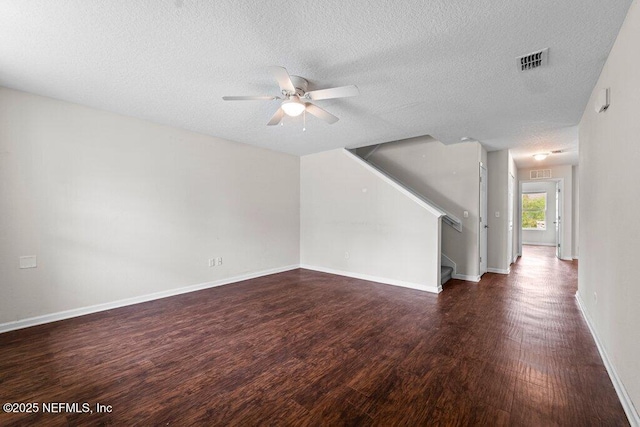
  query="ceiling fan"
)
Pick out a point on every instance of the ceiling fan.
point(295, 98)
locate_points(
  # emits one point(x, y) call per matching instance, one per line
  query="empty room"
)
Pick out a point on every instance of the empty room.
point(319, 213)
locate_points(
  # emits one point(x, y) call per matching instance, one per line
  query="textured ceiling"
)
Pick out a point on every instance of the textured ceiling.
point(543, 141)
point(441, 67)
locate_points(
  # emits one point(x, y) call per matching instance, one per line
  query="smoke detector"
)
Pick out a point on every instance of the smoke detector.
point(533, 60)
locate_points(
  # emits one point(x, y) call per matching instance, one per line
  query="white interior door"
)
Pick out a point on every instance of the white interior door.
point(558, 220)
point(483, 220)
point(510, 220)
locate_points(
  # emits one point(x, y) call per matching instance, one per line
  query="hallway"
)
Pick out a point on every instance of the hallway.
point(542, 337)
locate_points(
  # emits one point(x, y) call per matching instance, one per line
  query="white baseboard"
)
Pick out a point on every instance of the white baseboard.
point(625, 400)
point(538, 244)
point(575, 257)
point(499, 270)
point(466, 277)
point(384, 280)
point(566, 259)
point(61, 315)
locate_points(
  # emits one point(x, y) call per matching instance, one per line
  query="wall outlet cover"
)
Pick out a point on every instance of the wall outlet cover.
point(29, 261)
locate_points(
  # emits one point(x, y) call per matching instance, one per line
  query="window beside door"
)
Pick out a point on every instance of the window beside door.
point(534, 211)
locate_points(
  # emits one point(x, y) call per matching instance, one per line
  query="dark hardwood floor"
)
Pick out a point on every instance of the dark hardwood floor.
point(307, 348)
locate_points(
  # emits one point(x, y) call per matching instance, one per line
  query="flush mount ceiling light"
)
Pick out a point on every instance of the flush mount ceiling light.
point(540, 156)
point(292, 106)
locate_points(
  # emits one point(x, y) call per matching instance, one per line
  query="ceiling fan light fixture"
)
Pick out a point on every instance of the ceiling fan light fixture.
point(540, 156)
point(294, 89)
point(293, 107)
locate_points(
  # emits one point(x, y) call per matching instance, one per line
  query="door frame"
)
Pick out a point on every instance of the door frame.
point(511, 189)
point(559, 206)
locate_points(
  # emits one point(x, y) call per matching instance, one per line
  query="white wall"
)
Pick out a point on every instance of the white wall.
point(501, 167)
point(116, 207)
point(608, 282)
point(576, 211)
point(548, 236)
point(498, 172)
point(483, 156)
point(513, 172)
point(449, 176)
point(565, 172)
point(354, 222)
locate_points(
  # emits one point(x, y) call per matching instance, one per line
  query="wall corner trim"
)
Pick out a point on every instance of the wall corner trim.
point(625, 400)
point(385, 281)
point(76, 312)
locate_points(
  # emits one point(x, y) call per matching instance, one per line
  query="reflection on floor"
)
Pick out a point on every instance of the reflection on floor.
point(308, 348)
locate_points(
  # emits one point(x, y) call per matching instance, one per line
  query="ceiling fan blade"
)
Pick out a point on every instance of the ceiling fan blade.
point(334, 92)
point(321, 113)
point(249, 98)
point(283, 78)
point(277, 117)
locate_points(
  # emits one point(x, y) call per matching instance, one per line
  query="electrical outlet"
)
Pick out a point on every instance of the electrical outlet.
point(219, 260)
point(346, 255)
point(212, 262)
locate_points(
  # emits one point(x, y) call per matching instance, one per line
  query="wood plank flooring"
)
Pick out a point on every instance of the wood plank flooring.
point(308, 348)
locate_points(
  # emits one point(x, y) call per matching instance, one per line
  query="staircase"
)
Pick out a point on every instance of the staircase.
point(446, 271)
point(445, 274)
point(448, 218)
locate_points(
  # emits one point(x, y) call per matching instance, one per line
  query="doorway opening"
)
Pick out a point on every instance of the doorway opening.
point(540, 214)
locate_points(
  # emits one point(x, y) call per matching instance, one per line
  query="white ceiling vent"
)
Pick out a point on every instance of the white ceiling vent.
point(540, 174)
point(533, 60)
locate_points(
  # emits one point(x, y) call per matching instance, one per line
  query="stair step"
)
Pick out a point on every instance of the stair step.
point(445, 274)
